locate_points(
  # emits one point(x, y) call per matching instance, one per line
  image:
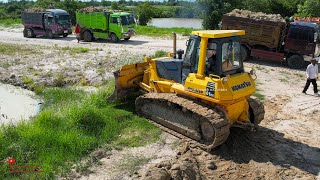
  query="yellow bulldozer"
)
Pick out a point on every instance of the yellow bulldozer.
point(199, 96)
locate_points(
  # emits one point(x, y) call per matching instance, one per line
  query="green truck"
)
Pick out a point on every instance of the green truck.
point(105, 25)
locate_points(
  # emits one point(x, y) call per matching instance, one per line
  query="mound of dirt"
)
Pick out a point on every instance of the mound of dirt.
point(96, 9)
point(35, 9)
point(256, 15)
point(190, 163)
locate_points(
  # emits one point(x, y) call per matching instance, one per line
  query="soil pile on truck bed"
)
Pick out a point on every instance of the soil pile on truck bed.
point(35, 10)
point(96, 9)
point(256, 15)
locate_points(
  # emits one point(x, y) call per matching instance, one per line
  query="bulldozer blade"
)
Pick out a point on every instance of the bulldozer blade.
point(127, 79)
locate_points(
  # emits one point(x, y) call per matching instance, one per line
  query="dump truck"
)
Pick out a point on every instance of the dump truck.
point(274, 38)
point(105, 25)
point(186, 98)
point(51, 23)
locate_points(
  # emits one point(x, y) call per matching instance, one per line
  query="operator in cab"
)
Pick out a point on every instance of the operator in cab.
point(211, 58)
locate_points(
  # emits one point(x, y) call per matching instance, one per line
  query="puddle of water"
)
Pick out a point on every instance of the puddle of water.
point(16, 104)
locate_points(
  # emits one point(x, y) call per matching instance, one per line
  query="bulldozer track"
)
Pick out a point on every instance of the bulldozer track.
point(184, 119)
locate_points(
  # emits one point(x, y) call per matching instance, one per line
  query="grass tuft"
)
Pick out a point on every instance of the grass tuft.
point(79, 50)
point(164, 32)
point(160, 53)
point(10, 49)
point(259, 95)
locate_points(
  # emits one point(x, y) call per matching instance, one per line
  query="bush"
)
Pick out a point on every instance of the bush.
point(145, 13)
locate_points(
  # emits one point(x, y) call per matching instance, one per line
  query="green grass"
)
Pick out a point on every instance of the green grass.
point(10, 22)
point(79, 50)
point(154, 31)
point(76, 50)
point(10, 49)
point(259, 95)
point(27, 80)
point(160, 53)
point(71, 124)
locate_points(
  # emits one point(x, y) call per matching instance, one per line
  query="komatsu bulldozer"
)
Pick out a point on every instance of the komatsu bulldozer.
point(199, 96)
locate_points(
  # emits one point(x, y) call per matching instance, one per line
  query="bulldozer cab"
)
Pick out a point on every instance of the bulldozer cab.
point(213, 54)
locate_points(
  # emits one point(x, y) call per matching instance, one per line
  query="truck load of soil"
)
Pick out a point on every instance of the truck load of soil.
point(35, 10)
point(94, 9)
point(256, 15)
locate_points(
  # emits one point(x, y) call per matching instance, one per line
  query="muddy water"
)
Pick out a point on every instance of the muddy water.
point(16, 104)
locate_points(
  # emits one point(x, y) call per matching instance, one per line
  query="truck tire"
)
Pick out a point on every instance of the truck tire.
point(87, 36)
point(50, 35)
point(245, 54)
point(126, 39)
point(114, 38)
point(30, 33)
point(295, 61)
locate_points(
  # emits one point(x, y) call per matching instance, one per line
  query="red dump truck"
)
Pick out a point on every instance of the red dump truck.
point(276, 39)
point(51, 23)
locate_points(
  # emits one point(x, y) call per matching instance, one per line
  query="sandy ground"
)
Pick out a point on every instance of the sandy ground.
point(287, 146)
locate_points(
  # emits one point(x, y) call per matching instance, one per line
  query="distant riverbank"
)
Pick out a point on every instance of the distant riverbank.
point(176, 22)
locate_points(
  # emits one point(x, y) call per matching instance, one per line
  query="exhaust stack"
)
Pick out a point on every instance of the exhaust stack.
point(174, 45)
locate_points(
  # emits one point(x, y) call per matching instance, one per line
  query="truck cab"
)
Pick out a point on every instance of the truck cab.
point(303, 38)
point(105, 25)
point(57, 22)
point(122, 24)
point(50, 23)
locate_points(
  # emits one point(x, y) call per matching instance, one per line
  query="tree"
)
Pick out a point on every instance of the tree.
point(213, 11)
point(145, 13)
point(115, 5)
point(310, 8)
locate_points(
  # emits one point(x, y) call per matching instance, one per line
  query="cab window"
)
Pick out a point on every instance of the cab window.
point(114, 20)
point(230, 56)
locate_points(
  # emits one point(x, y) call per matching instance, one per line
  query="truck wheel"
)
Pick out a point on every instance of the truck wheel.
point(30, 33)
point(244, 53)
point(114, 38)
point(87, 36)
point(65, 35)
point(126, 39)
point(295, 61)
point(50, 35)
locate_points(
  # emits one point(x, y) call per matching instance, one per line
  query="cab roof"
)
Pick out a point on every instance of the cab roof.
point(218, 33)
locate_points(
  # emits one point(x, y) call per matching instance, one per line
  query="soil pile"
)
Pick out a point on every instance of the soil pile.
point(256, 15)
point(190, 163)
point(96, 9)
point(35, 10)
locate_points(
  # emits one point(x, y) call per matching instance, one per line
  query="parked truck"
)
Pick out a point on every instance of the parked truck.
point(105, 25)
point(51, 23)
point(271, 37)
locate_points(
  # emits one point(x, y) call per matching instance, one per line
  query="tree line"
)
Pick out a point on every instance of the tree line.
point(210, 10)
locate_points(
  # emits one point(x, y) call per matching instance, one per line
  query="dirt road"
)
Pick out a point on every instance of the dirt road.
point(287, 146)
point(141, 45)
